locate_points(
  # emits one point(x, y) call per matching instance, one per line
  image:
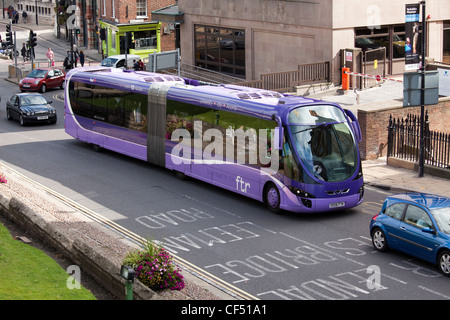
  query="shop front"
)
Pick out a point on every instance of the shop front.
point(141, 38)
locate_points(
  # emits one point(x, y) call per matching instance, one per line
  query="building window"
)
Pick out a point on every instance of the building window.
point(113, 9)
point(141, 8)
point(390, 37)
point(145, 39)
point(446, 53)
point(113, 39)
point(220, 49)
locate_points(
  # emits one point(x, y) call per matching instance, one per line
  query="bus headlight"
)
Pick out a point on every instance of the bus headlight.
point(300, 193)
point(361, 192)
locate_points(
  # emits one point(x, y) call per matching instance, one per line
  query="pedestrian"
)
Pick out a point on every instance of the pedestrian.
point(141, 65)
point(24, 52)
point(81, 55)
point(135, 65)
point(16, 17)
point(24, 16)
point(50, 57)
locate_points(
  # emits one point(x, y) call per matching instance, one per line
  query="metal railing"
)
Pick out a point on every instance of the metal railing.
point(404, 142)
point(285, 81)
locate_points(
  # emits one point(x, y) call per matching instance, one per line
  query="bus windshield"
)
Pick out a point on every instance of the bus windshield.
point(324, 142)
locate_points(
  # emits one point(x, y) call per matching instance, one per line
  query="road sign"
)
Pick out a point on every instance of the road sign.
point(412, 88)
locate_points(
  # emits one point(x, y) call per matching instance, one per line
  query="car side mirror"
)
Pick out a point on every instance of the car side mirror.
point(50, 102)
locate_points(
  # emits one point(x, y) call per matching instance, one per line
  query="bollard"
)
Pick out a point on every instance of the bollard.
point(128, 274)
point(345, 79)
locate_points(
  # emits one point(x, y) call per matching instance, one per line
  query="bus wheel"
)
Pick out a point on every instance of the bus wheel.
point(180, 175)
point(272, 197)
point(96, 147)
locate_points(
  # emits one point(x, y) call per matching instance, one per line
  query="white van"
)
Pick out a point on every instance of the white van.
point(118, 61)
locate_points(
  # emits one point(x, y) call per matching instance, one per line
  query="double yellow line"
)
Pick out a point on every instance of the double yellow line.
point(212, 279)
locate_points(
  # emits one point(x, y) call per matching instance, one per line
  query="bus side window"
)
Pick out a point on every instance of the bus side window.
point(288, 163)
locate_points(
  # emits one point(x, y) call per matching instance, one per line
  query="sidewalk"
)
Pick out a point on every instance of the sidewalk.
point(47, 32)
point(378, 174)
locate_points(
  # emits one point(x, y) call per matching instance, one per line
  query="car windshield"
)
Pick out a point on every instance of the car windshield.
point(32, 100)
point(324, 142)
point(442, 217)
point(108, 62)
point(37, 73)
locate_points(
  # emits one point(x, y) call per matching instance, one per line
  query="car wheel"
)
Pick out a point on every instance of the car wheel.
point(272, 198)
point(8, 114)
point(379, 240)
point(43, 88)
point(444, 262)
point(21, 120)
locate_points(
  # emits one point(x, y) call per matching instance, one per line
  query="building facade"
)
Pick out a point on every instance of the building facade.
point(247, 38)
point(128, 24)
point(42, 11)
point(115, 17)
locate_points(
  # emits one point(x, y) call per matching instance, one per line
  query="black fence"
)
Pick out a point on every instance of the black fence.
point(404, 142)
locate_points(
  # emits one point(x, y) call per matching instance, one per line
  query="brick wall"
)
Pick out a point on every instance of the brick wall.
point(374, 125)
point(121, 9)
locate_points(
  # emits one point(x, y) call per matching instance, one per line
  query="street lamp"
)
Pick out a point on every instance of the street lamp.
point(128, 274)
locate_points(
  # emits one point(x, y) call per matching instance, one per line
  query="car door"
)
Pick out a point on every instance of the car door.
point(417, 237)
point(51, 80)
point(391, 220)
point(13, 105)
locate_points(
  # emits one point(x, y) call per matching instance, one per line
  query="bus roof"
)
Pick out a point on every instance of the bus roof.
point(259, 102)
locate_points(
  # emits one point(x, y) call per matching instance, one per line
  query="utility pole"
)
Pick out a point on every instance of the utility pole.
point(36, 10)
point(422, 92)
point(15, 50)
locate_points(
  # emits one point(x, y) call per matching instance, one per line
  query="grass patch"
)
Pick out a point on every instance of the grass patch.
point(27, 273)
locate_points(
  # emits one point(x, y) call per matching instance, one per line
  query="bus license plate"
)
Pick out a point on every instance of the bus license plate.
point(337, 204)
point(42, 118)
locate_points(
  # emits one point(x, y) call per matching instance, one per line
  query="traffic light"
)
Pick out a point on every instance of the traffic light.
point(77, 31)
point(9, 39)
point(33, 39)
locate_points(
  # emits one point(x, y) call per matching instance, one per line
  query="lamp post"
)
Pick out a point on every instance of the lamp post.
point(422, 92)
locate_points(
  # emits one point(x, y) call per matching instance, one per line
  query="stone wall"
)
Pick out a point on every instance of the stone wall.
point(374, 123)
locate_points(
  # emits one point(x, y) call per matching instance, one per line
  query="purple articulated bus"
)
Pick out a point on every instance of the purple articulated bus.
point(289, 152)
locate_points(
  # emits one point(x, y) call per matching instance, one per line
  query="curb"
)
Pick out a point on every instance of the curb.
point(99, 261)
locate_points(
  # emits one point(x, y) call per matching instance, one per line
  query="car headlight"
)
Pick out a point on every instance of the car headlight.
point(20, 82)
point(37, 81)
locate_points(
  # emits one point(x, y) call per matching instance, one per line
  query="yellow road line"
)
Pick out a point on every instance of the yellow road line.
point(134, 237)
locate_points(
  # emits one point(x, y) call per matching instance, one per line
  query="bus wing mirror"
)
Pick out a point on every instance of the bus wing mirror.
point(354, 124)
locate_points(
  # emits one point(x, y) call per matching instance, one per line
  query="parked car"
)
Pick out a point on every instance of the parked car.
point(417, 224)
point(30, 108)
point(42, 79)
point(118, 61)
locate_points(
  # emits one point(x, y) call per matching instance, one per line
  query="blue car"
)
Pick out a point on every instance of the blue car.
point(417, 224)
